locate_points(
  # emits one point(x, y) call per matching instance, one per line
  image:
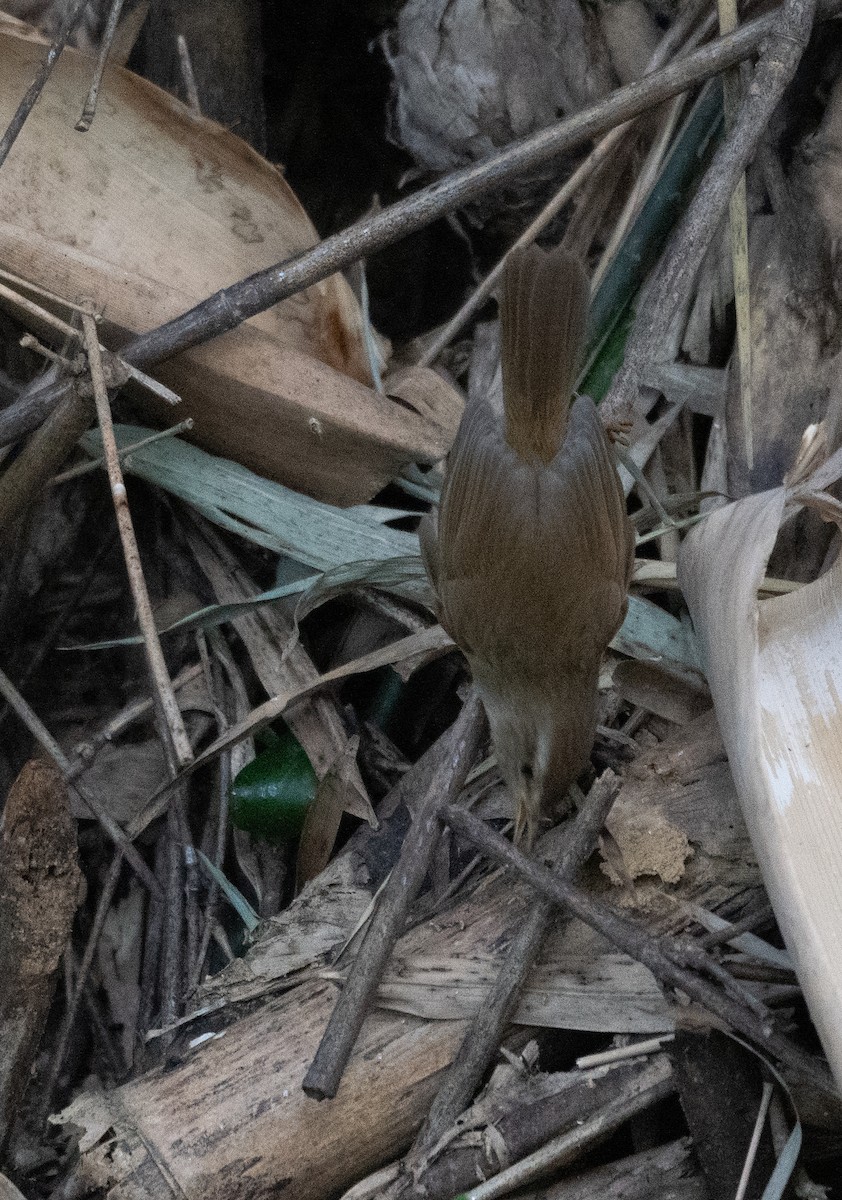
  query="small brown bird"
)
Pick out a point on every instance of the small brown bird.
point(532, 554)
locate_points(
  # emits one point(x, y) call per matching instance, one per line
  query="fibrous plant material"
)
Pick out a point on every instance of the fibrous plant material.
point(39, 891)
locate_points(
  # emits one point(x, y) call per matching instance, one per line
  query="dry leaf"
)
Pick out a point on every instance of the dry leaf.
point(775, 673)
point(155, 209)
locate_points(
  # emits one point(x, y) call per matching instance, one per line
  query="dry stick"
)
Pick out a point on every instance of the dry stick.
point(751, 1154)
point(85, 752)
point(738, 232)
point(567, 1147)
point(161, 682)
point(89, 110)
point(109, 887)
point(43, 455)
point(670, 41)
point(568, 189)
point(179, 750)
point(670, 283)
point(45, 739)
point(486, 1030)
point(633, 940)
point(34, 90)
point(94, 464)
point(229, 307)
point(387, 924)
point(187, 76)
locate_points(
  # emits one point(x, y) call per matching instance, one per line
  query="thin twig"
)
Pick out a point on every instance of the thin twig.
point(387, 924)
point(751, 1154)
point(71, 19)
point(670, 41)
point(486, 1030)
point(188, 78)
point(232, 305)
point(672, 280)
point(161, 682)
point(94, 464)
point(603, 150)
point(572, 1144)
point(85, 752)
point(179, 752)
point(109, 887)
point(738, 228)
point(48, 743)
point(633, 940)
point(89, 109)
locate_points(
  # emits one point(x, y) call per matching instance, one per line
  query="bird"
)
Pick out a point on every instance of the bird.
point(531, 552)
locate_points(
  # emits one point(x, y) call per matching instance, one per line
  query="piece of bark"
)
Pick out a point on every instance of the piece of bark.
point(720, 1085)
point(39, 890)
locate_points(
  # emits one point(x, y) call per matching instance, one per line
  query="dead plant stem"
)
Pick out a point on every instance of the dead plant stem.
point(460, 746)
point(72, 17)
point(486, 1030)
point(635, 941)
point(670, 283)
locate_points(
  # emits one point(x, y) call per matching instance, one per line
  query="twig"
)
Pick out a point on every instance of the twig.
point(177, 743)
point(671, 282)
point(751, 1154)
point(117, 367)
point(621, 1053)
point(84, 122)
point(738, 229)
point(475, 301)
point(86, 752)
point(161, 682)
point(387, 924)
point(634, 941)
point(486, 1030)
point(45, 739)
point(229, 307)
point(569, 1146)
point(187, 77)
point(71, 19)
point(109, 887)
point(94, 464)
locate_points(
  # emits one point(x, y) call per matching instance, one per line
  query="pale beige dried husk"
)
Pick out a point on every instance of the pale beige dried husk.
point(775, 672)
point(155, 209)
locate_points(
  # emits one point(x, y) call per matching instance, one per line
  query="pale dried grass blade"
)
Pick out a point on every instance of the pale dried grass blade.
point(775, 672)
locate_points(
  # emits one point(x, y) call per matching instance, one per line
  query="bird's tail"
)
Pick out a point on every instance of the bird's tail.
point(543, 312)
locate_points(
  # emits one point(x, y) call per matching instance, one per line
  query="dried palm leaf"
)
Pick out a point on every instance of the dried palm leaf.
point(154, 209)
point(775, 672)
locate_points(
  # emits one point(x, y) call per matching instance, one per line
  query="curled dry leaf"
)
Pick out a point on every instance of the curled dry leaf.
point(775, 673)
point(152, 211)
